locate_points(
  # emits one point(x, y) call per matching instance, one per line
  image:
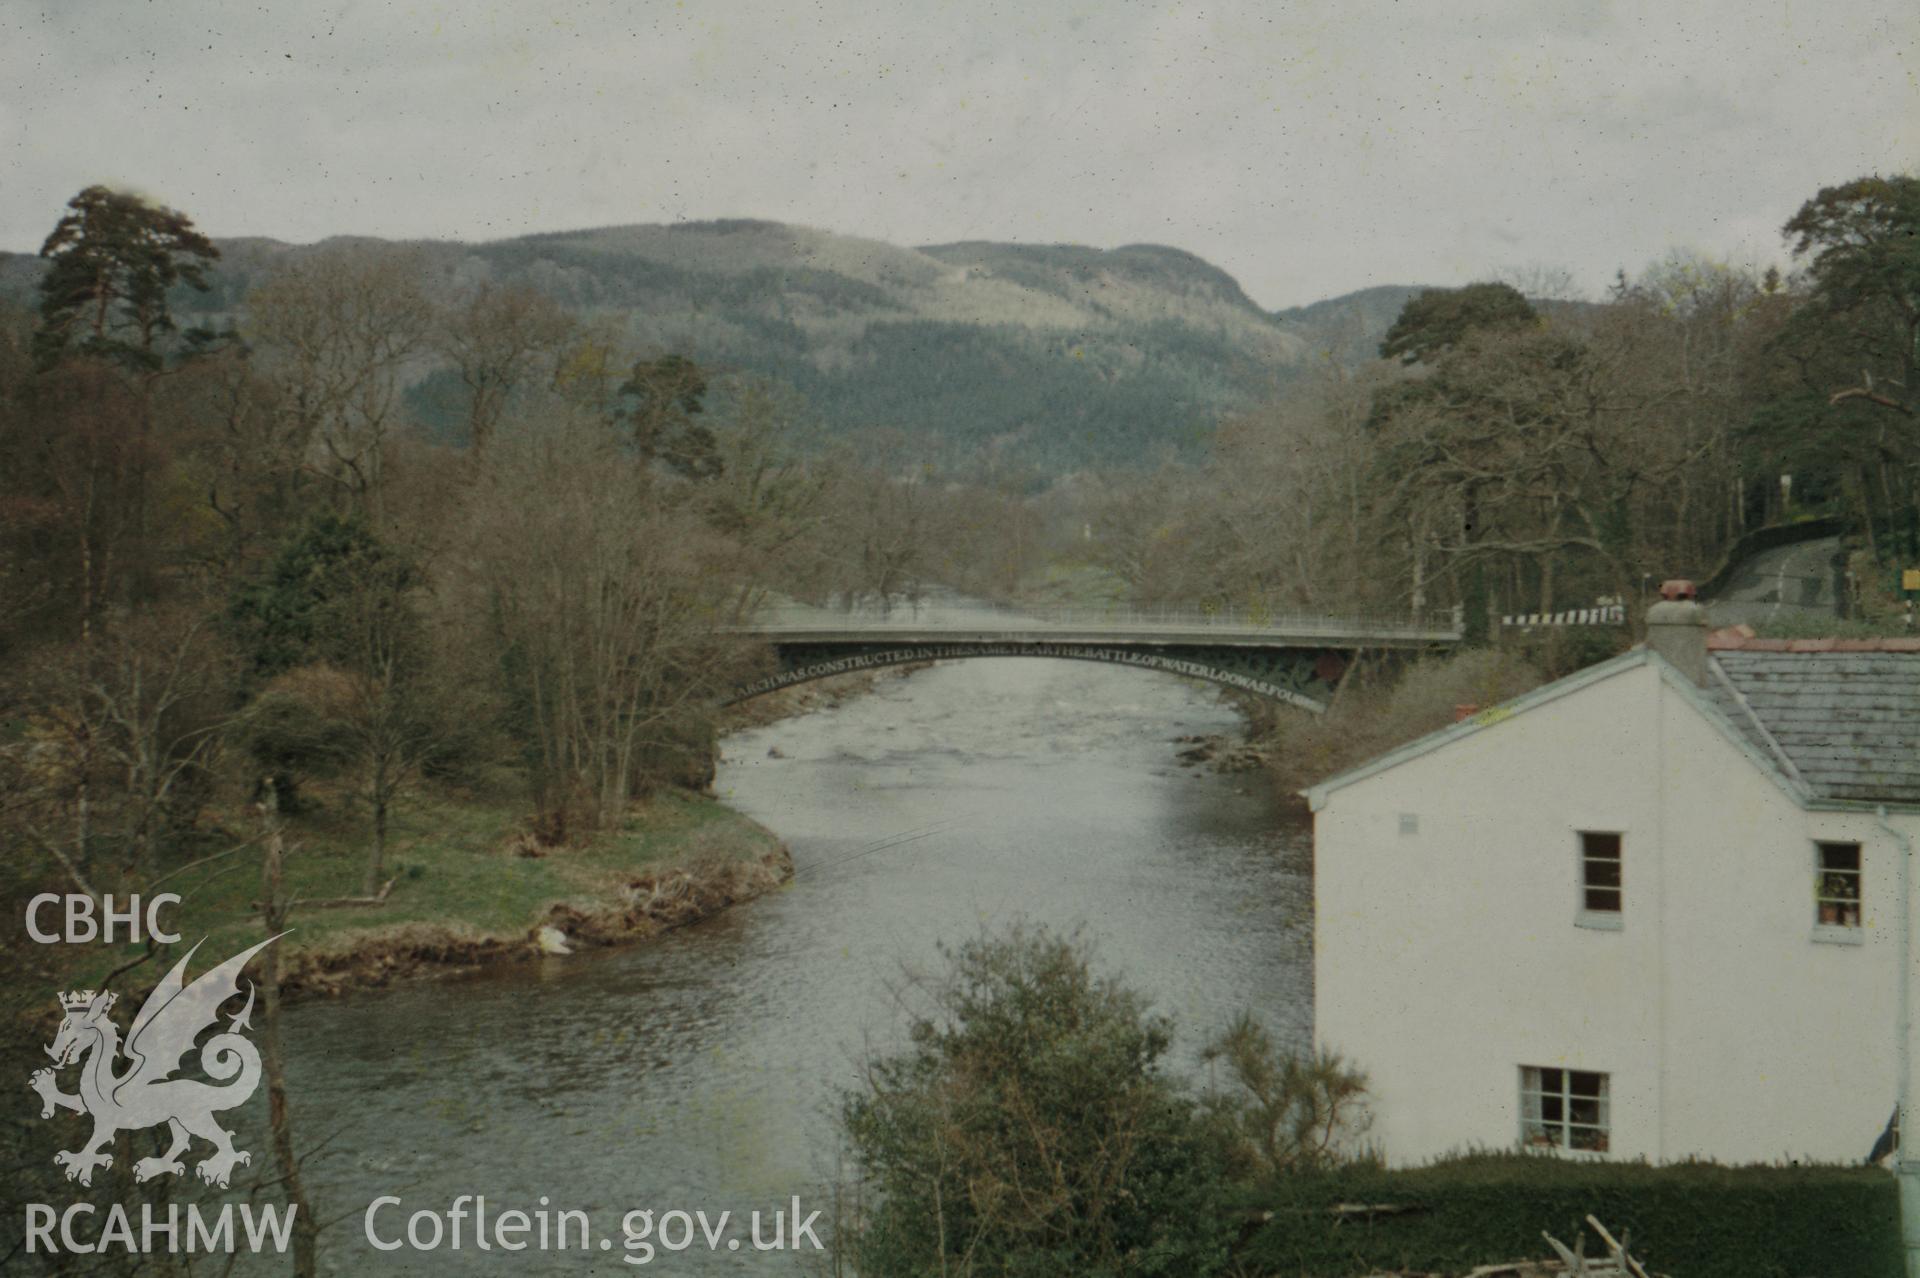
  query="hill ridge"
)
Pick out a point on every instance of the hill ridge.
point(1056, 356)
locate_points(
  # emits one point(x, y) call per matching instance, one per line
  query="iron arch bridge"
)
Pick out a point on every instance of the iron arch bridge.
point(1291, 659)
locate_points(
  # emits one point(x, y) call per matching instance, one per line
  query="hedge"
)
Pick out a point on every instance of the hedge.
point(1694, 1220)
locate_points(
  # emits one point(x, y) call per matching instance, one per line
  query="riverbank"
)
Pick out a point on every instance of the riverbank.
point(463, 886)
point(466, 889)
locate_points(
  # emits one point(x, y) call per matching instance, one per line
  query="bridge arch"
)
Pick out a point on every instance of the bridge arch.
point(1294, 660)
point(1291, 678)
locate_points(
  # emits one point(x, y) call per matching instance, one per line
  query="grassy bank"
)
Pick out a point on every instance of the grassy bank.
point(466, 888)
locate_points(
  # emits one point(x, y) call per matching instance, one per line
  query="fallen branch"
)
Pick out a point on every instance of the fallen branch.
point(1872, 397)
point(337, 902)
point(182, 869)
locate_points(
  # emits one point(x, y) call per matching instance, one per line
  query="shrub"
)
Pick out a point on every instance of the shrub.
point(1029, 1129)
point(1377, 716)
point(1285, 1113)
point(286, 737)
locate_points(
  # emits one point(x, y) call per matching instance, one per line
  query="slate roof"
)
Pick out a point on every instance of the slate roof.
point(1842, 723)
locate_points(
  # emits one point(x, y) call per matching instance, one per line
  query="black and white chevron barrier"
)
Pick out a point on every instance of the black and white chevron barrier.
point(1606, 615)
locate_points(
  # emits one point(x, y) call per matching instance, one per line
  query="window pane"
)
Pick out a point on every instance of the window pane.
point(1604, 899)
point(1549, 1080)
point(1587, 1138)
point(1550, 1108)
point(1607, 845)
point(1587, 1083)
point(1839, 886)
point(1603, 874)
point(1840, 856)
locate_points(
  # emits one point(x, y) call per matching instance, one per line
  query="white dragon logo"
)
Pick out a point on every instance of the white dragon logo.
point(143, 1095)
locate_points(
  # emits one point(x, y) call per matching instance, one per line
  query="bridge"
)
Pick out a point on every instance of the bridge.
point(1292, 659)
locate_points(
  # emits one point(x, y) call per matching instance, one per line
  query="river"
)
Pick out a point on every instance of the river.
point(700, 1071)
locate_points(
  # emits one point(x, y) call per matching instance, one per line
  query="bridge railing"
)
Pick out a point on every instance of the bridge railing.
point(1117, 618)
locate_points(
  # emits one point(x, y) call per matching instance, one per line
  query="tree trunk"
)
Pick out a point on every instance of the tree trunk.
point(274, 910)
point(1419, 575)
point(83, 810)
point(377, 859)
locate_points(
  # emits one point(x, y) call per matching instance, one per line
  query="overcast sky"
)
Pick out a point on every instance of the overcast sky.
point(1307, 148)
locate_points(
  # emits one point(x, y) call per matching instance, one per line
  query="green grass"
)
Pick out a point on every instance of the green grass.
point(455, 864)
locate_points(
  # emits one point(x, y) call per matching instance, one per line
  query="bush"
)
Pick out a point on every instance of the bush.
point(1380, 715)
point(1694, 1220)
point(1030, 1129)
point(1285, 1113)
point(286, 737)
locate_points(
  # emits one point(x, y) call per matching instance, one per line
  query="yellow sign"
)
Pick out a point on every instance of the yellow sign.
point(1910, 579)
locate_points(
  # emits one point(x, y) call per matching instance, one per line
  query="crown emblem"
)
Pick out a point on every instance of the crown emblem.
point(80, 1000)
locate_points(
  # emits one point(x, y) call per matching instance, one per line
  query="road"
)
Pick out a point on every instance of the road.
point(1788, 580)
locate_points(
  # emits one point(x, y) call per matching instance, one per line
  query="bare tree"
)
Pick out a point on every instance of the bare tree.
point(605, 608)
point(337, 330)
point(500, 340)
point(121, 734)
point(239, 455)
point(1139, 527)
point(1290, 520)
point(82, 470)
point(1535, 444)
point(765, 500)
point(879, 528)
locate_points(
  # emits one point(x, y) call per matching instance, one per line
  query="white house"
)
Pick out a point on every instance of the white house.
point(1656, 909)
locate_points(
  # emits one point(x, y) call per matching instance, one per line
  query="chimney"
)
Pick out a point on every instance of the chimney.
point(1677, 630)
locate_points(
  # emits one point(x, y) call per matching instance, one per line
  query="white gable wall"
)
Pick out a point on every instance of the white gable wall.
point(1448, 958)
point(1778, 1046)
